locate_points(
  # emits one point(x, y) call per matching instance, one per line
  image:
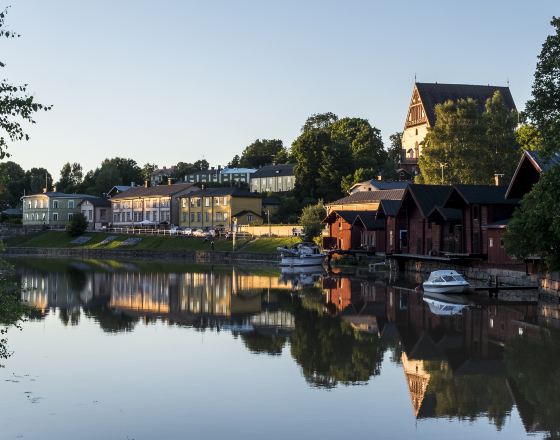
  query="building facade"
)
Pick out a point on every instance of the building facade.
point(273, 178)
point(51, 209)
point(217, 208)
point(155, 205)
point(97, 212)
point(421, 114)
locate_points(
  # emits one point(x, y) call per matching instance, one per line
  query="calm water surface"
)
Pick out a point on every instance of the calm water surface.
point(143, 350)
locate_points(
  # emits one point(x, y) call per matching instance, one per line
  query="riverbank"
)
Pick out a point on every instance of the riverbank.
point(105, 245)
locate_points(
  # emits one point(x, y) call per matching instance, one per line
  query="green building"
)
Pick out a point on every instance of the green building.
point(52, 209)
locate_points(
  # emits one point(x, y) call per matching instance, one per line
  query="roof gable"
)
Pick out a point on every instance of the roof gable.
point(482, 194)
point(427, 197)
point(432, 94)
point(154, 191)
point(528, 171)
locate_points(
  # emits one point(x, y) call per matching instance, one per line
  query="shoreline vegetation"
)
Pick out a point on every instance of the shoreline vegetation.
point(107, 241)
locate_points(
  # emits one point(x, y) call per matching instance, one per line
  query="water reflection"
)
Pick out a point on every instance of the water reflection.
point(479, 358)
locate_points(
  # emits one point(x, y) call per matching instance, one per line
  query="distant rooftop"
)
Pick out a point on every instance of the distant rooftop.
point(274, 170)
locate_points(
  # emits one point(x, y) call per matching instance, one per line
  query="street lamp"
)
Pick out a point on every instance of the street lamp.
point(268, 215)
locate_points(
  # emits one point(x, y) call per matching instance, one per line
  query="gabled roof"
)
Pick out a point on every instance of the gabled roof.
point(369, 220)
point(447, 214)
point(383, 185)
point(225, 191)
point(432, 94)
point(246, 211)
point(238, 170)
point(370, 196)
point(427, 197)
point(274, 170)
point(59, 195)
point(96, 201)
point(528, 175)
point(153, 191)
point(390, 207)
point(483, 194)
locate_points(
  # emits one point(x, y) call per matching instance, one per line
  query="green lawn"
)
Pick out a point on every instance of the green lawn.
point(269, 245)
point(58, 239)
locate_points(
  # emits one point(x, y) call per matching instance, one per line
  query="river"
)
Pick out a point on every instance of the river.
point(164, 350)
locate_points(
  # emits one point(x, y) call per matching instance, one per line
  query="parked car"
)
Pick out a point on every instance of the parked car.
point(175, 230)
point(188, 231)
point(198, 233)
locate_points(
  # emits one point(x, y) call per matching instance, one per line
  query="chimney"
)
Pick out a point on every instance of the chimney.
point(54, 188)
point(45, 190)
point(132, 184)
point(146, 183)
point(498, 179)
point(170, 180)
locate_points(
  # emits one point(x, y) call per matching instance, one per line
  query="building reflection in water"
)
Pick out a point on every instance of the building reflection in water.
point(485, 360)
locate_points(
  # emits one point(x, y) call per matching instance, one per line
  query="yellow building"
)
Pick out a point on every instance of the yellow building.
point(217, 207)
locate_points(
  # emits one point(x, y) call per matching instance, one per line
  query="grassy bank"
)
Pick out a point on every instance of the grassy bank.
point(58, 239)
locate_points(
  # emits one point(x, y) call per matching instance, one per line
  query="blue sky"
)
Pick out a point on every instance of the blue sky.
point(173, 81)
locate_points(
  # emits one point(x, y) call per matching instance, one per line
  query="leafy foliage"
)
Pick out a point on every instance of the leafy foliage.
point(472, 146)
point(528, 137)
point(71, 176)
point(16, 105)
point(543, 110)
point(77, 226)
point(12, 184)
point(262, 152)
point(312, 220)
point(535, 226)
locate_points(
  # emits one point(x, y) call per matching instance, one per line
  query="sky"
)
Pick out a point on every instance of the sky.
point(171, 81)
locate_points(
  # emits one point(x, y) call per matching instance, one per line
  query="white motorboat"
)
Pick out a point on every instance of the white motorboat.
point(301, 255)
point(445, 305)
point(446, 281)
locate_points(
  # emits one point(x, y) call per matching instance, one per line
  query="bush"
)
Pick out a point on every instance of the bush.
point(77, 226)
point(312, 220)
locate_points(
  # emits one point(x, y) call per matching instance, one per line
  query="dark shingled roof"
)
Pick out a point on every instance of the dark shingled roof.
point(382, 184)
point(390, 207)
point(427, 197)
point(246, 211)
point(448, 214)
point(367, 218)
point(274, 170)
point(370, 196)
point(484, 194)
point(432, 94)
point(153, 191)
point(226, 191)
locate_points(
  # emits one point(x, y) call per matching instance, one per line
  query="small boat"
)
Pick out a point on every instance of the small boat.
point(446, 281)
point(301, 255)
point(445, 305)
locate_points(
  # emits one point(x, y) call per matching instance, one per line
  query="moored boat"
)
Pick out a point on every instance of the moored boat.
point(445, 305)
point(446, 281)
point(301, 255)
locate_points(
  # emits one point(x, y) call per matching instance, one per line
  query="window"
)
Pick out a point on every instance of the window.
point(403, 235)
point(192, 216)
point(184, 203)
point(148, 215)
point(490, 242)
point(475, 212)
point(249, 218)
point(217, 201)
point(71, 204)
point(207, 216)
point(54, 204)
point(184, 216)
point(501, 242)
point(70, 215)
point(225, 216)
point(207, 201)
point(115, 218)
point(55, 216)
point(390, 238)
point(225, 201)
point(29, 204)
point(35, 204)
point(198, 216)
point(102, 213)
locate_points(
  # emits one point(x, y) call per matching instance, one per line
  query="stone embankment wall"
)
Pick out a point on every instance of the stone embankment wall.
point(478, 273)
point(550, 283)
point(194, 256)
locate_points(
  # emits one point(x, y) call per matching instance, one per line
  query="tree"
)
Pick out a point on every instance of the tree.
point(307, 151)
point(543, 110)
point(147, 170)
point(106, 177)
point(535, 226)
point(12, 184)
point(234, 163)
point(336, 164)
point(319, 121)
point(201, 165)
point(470, 146)
point(129, 171)
point(364, 140)
point(36, 179)
point(312, 220)
point(500, 123)
point(261, 153)
point(528, 137)
point(78, 225)
point(393, 156)
point(16, 105)
point(71, 177)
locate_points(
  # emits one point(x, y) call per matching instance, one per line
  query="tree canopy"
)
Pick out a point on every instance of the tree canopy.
point(17, 106)
point(471, 146)
point(260, 153)
point(71, 176)
point(543, 110)
point(12, 184)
